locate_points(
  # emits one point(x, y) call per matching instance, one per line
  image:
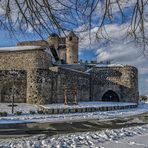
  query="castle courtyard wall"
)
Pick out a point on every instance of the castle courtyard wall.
point(70, 79)
point(15, 81)
point(24, 60)
point(16, 62)
point(47, 86)
point(123, 80)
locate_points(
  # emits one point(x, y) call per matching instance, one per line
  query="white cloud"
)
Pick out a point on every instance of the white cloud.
point(117, 50)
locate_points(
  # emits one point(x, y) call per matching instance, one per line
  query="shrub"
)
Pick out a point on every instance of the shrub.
point(32, 112)
point(40, 112)
point(144, 98)
point(18, 112)
point(3, 114)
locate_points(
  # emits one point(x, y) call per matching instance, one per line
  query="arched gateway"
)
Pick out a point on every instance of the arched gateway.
point(110, 96)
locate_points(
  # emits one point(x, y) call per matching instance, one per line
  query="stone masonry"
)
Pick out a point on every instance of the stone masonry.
point(123, 80)
point(66, 47)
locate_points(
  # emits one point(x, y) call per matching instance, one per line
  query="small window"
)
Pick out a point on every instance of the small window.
point(70, 38)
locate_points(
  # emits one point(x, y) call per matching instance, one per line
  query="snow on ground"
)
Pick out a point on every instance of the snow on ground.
point(24, 107)
point(138, 141)
point(98, 139)
point(101, 115)
point(87, 104)
point(113, 138)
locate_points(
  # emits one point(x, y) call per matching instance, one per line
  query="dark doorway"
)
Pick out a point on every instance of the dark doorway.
point(110, 96)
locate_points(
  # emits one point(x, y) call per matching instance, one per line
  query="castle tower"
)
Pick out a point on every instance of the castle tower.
point(72, 48)
point(53, 40)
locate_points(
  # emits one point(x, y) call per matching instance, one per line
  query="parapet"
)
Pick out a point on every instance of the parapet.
point(42, 43)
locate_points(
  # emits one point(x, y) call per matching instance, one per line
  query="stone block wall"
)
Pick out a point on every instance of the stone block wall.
point(28, 61)
point(47, 86)
point(33, 43)
point(23, 60)
point(13, 84)
point(69, 78)
point(41, 84)
point(123, 80)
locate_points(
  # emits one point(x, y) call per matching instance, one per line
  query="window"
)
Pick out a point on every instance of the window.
point(70, 38)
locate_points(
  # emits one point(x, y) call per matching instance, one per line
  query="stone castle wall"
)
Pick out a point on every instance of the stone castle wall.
point(13, 83)
point(26, 61)
point(47, 86)
point(122, 80)
point(42, 43)
point(53, 41)
point(44, 86)
point(50, 84)
point(23, 60)
point(71, 78)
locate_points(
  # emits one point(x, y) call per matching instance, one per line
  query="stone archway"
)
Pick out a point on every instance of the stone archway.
point(110, 96)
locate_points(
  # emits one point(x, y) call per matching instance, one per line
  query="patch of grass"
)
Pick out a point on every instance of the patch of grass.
point(3, 114)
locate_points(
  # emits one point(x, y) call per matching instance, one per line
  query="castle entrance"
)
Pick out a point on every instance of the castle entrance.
point(110, 96)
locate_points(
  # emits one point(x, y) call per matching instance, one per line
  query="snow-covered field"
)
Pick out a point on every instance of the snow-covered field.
point(24, 107)
point(108, 138)
point(101, 115)
point(87, 104)
point(99, 139)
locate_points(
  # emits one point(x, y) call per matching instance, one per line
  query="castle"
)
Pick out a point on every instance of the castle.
point(38, 72)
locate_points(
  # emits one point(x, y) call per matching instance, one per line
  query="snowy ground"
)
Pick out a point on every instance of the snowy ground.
point(87, 104)
point(24, 107)
point(138, 141)
point(115, 138)
point(101, 115)
point(135, 137)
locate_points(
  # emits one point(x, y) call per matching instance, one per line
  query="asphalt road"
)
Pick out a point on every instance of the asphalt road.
point(50, 129)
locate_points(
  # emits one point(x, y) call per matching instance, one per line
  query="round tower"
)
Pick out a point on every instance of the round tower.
point(129, 82)
point(72, 48)
point(53, 40)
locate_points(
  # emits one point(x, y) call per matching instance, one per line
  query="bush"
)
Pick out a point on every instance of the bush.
point(40, 112)
point(18, 112)
point(3, 114)
point(32, 112)
point(144, 98)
